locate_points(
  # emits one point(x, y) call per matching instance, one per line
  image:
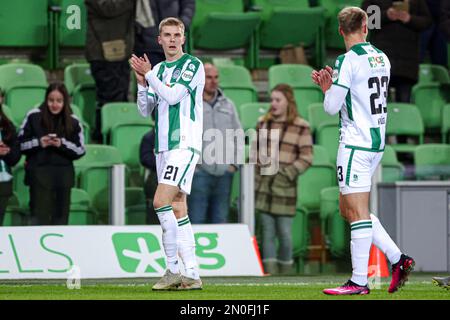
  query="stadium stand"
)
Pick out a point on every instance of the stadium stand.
point(299, 78)
point(404, 120)
point(81, 87)
point(23, 87)
point(432, 161)
point(237, 84)
point(249, 113)
point(318, 117)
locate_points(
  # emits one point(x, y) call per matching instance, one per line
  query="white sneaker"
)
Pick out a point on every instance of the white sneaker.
point(190, 284)
point(170, 281)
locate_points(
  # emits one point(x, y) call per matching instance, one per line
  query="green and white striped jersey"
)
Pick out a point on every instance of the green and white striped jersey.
point(364, 73)
point(176, 90)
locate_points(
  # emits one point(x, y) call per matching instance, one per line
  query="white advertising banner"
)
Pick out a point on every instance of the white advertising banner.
point(87, 252)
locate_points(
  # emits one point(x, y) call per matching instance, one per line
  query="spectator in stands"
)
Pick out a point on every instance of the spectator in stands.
point(399, 38)
point(148, 160)
point(276, 192)
point(51, 138)
point(209, 201)
point(433, 40)
point(109, 43)
point(149, 13)
point(9, 156)
point(445, 19)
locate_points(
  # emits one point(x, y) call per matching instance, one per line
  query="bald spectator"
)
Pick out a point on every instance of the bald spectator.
point(209, 201)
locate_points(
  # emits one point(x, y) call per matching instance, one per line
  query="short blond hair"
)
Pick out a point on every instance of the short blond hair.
point(351, 19)
point(171, 21)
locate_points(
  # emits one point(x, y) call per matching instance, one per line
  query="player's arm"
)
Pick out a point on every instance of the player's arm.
point(172, 95)
point(337, 83)
point(146, 100)
point(334, 99)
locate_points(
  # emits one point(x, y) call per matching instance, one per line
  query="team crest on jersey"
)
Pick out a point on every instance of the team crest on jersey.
point(187, 75)
point(191, 67)
point(355, 178)
point(176, 74)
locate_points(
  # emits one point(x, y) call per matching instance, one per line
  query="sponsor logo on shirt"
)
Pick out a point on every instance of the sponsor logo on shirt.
point(187, 75)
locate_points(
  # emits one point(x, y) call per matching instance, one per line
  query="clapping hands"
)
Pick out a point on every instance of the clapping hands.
point(323, 78)
point(140, 66)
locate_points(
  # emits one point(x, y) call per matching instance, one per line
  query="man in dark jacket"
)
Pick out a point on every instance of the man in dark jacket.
point(399, 38)
point(146, 37)
point(445, 18)
point(433, 40)
point(148, 160)
point(109, 43)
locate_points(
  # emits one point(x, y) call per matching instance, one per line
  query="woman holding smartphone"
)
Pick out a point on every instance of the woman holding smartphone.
point(51, 137)
point(9, 156)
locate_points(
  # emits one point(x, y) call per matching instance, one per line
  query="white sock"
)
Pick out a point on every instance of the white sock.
point(186, 247)
point(384, 242)
point(169, 236)
point(361, 240)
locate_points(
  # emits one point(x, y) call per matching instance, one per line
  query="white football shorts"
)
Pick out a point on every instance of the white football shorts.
point(176, 168)
point(355, 167)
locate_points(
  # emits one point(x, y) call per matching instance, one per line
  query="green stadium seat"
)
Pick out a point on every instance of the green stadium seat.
point(136, 215)
point(300, 237)
point(299, 78)
point(135, 207)
point(127, 139)
point(237, 84)
point(20, 189)
point(392, 169)
point(26, 22)
point(320, 175)
point(300, 24)
point(81, 86)
point(327, 135)
point(81, 211)
point(334, 227)
point(430, 99)
point(432, 160)
point(338, 235)
point(24, 86)
point(249, 113)
point(404, 120)
point(69, 36)
point(14, 214)
point(317, 116)
point(445, 128)
point(120, 113)
point(93, 172)
point(432, 73)
point(86, 128)
point(222, 25)
point(8, 113)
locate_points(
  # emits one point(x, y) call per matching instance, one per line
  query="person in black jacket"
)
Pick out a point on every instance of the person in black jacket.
point(399, 38)
point(109, 43)
point(51, 137)
point(445, 18)
point(9, 156)
point(146, 37)
point(433, 40)
point(148, 160)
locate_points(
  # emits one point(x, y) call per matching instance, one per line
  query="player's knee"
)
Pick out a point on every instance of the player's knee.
point(159, 203)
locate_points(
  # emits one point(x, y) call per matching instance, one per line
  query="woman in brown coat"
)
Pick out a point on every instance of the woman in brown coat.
point(276, 191)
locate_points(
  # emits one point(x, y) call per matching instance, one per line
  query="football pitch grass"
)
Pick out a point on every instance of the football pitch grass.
point(419, 287)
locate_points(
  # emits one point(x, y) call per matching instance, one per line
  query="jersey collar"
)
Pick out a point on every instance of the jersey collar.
point(174, 63)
